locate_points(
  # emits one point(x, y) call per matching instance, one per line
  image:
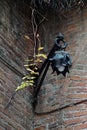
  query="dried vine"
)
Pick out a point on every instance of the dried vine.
point(29, 80)
point(32, 64)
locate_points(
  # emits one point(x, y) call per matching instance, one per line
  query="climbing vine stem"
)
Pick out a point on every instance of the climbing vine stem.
point(32, 64)
point(29, 80)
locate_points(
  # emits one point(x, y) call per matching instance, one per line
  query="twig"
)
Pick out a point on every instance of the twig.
point(39, 13)
point(41, 21)
point(34, 26)
point(11, 98)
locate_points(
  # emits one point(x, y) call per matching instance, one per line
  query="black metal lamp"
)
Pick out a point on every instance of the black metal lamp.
point(60, 61)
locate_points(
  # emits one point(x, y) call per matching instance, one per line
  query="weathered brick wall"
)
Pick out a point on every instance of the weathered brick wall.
point(14, 50)
point(59, 91)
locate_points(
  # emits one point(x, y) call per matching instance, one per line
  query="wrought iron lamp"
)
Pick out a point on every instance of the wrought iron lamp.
point(60, 61)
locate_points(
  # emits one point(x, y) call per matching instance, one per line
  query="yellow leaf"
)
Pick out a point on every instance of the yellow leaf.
point(26, 65)
point(27, 37)
point(29, 60)
point(24, 85)
point(28, 77)
point(41, 55)
point(38, 60)
point(36, 73)
point(30, 81)
point(31, 64)
point(40, 48)
point(29, 69)
point(32, 72)
point(24, 78)
point(35, 68)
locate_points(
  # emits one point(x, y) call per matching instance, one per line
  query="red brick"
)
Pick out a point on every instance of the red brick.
point(77, 96)
point(81, 127)
point(80, 113)
point(40, 128)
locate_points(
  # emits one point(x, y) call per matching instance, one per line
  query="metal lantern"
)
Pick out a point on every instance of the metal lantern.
point(61, 62)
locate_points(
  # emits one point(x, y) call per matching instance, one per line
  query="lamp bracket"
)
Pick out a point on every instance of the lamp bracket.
point(57, 57)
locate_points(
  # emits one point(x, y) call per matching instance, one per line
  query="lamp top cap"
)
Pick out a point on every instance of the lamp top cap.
point(60, 36)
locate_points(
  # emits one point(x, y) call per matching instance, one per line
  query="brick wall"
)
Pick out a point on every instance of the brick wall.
point(14, 50)
point(62, 100)
point(53, 110)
